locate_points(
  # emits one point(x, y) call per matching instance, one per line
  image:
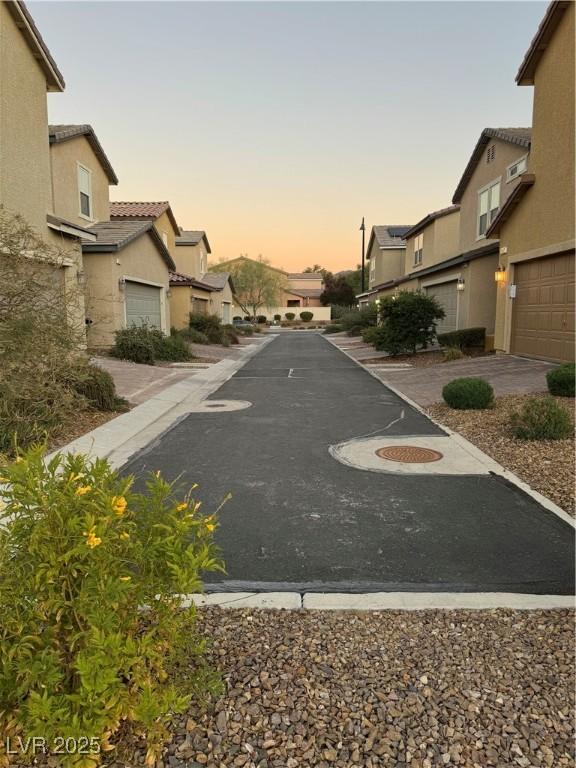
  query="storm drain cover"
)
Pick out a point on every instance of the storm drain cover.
point(408, 454)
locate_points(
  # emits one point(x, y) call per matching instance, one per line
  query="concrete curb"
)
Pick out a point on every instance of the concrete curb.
point(382, 601)
point(122, 437)
point(491, 464)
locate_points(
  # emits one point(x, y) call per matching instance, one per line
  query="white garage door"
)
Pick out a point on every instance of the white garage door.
point(447, 296)
point(143, 305)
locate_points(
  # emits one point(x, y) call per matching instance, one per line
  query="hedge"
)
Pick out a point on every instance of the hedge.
point(466, 338)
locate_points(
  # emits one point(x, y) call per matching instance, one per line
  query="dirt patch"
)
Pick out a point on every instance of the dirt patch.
point(547, 466)
point(84, 421)
point(420, 359)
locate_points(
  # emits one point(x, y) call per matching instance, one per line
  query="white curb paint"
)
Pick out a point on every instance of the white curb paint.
point(361, 454)
point(495, 467)
point(420, 601)
point(119, 439)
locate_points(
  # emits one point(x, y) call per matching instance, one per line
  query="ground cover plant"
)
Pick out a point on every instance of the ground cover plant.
point(561, 380)
point(93, 638)
point(145, 344)
point(542, 419)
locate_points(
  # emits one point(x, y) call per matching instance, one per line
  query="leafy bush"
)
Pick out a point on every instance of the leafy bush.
point(261, 319)
point(333, 328)
point(97, 386)
point(93, 636)
point(230, 334)
point(408, 322)
point(194, 336)
point(452, 353)
point(468, 394)
point(306, 316)
point(466, 338)
point(355, 320)
point(561, 380)
point(244, 330)
point(142, 344)
point(542, 419)
point(236, 319)
point(337, 310)
point(277, 318)
point(210, 325)
point(290, 315)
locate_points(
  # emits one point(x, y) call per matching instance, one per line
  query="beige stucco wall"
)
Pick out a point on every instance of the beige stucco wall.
point(482, 306)
point(24, 152)
point(484, 174)
point(543, 223)
point(388, 264)
point(105, 299)
point(441, 242)
point(218, 299)
point(306, 282)
point(163, 224)
point(65, 158)
point(191, 260)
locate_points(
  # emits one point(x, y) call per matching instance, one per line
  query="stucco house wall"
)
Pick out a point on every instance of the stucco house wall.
point(65, 158)
point(105, 300)
point(191, 260)
point(218, 299)
point(388, 264)
point(441, 240)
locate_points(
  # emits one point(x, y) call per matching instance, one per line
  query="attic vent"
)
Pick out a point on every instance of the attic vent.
point(490, 153)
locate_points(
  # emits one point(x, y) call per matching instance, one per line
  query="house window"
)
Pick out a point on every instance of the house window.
point(488, 205)
point(85, 191)
point(517, 168)
point(490, 153)
point(164, 238)
point(418, 247)
point(372, 269)
point(293, 302)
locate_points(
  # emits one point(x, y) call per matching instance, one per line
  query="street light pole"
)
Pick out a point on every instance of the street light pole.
point(363, 230)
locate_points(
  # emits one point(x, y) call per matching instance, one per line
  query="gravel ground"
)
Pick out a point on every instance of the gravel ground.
point(418, 689)
point(547, 466)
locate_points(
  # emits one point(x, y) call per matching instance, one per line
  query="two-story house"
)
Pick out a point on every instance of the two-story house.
point(535, 288)
point(25, 175)
point(385, 254)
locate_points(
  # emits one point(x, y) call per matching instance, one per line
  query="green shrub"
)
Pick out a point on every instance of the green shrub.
point(337, 310)
point(236, 318)
point(135, 344)
point(194, 336)
point(408, 322)
point(561, 380)
point(93, 634)
point(97, 386)
point(244, 330)
point(333, 328)
point(468, 394)
point(355, 330)
point(210, 325)
point(277, 318)
point(542, 419)
point(306, 316)
point(173, 348)
point(357, 319)
point(230, 334)
point(289, 315)
point(452, 353)
point(466, 338)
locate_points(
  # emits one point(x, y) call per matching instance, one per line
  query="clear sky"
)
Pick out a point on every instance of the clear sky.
point(276, 126)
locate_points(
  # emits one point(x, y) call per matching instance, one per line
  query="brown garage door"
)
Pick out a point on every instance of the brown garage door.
point(543, 312)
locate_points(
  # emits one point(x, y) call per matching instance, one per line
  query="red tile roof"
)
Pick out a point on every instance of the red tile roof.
point(177, 278)
point(143, 210)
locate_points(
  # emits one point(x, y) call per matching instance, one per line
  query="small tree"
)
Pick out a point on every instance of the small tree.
point(408, 322)
point(338, 290)
point(256, 284)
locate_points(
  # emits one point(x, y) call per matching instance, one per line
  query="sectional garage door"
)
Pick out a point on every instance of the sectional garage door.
point(447, 296)
point(543, 310)
point(142, 305)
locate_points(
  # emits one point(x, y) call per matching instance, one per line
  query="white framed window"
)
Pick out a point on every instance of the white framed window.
point(418, 248)
point(372, 269)
point(488, 206)
point(85, 192)
point(517, 168)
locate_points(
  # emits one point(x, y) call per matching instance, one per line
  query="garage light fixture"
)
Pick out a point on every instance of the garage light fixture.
point(122, 283)
point(500, 275)
point(460, 284)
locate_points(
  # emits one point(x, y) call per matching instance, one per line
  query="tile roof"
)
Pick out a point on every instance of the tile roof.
point(178, 278)
point(29, 30)
point(60, 133)
point(143, 210)
point(306, 293)
point(217, 280)
point(544, 34)
point(192, 237)
point(115, 235)
point(430, 217)
point(388, 236)
point(519, 136)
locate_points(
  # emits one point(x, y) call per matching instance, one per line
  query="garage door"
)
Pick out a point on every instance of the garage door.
point(142, 305)
point(543, 310)
point(447, 296)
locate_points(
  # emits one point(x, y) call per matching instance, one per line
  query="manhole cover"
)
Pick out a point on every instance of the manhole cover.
point(408, 454)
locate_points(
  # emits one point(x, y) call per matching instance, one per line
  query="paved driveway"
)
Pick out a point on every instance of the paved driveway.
point(300, 520)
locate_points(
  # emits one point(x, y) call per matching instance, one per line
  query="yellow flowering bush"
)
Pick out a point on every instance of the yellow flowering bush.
point(93, 636)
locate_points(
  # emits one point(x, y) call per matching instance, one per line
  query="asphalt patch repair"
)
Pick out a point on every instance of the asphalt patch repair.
point(300, 521)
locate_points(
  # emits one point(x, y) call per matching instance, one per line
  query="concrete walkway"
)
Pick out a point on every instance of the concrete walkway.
point(506, 373)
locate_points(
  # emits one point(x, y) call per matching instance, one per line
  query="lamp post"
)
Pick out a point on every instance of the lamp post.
point(363, 230)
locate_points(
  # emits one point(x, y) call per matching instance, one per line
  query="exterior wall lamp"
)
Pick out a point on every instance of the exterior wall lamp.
point(122, 283)
point(460, 284)
point(500, 275)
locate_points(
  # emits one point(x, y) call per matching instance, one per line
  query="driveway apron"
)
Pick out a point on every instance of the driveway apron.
point(300, 520)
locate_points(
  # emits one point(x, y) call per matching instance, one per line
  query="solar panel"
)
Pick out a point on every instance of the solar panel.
point(397, 231)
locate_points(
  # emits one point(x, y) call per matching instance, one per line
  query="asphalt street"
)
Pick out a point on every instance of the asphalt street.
point(300, 520)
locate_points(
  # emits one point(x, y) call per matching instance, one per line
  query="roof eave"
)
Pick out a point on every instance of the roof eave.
point(25, 22)
point(526, 181)
point(544, 33)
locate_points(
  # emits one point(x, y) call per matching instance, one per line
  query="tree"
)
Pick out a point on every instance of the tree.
point(338, 291)
point(354, 279)
point(256, 284)
point(408, 322)
point(317, 269)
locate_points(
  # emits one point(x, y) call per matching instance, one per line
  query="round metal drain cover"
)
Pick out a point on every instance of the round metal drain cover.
point(408, 454)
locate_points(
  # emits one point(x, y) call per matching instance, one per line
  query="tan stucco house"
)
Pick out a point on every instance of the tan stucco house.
point(385, 255)
point(28, 73)
point(535, 290)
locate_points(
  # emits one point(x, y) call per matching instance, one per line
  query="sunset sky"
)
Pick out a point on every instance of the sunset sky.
point(276, 126)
